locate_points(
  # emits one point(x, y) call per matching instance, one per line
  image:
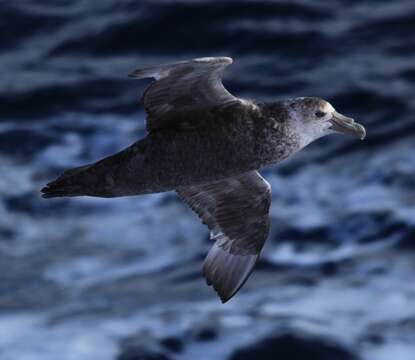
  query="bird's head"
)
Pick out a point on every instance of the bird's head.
point(313, 118)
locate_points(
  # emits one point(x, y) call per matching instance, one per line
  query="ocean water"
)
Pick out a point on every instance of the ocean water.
point(86, 278)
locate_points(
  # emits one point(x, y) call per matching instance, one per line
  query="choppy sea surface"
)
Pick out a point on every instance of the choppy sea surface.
point(87, 278)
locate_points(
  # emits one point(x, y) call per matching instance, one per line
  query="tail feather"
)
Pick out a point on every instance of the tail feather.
point(70, 183)
point(113, 176)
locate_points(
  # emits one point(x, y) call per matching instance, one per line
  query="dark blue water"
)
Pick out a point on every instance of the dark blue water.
point(88, 278)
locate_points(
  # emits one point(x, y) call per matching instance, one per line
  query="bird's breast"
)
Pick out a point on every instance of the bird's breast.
point(274, 143)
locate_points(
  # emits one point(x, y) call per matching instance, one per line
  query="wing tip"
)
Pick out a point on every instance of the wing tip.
point(224, 298)
point(140, 74)
point(155, 71)
point(214, 272)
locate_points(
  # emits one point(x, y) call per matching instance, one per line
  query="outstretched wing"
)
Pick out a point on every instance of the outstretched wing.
point(236, 212)
point(183, 86)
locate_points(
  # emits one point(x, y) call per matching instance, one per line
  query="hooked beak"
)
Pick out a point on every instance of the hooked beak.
point(346, 125)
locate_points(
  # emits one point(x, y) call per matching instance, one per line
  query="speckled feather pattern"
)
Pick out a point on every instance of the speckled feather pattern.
point(207, 145)
point(224, 141)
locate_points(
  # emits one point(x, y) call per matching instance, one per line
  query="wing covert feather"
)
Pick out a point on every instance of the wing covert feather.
point(236, 212)
point(182, 87)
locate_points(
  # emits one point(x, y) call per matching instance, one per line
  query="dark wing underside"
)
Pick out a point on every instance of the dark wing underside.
point(183, 87)
point(236, 212)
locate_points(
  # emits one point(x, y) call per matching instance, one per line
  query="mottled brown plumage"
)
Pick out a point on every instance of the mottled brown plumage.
point(207, 144)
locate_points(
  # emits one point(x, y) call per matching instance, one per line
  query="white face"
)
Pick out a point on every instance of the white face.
point(312, 122)
point(312, 118)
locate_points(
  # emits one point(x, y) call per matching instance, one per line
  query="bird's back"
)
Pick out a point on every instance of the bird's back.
point(204, 146)
point(215, 143)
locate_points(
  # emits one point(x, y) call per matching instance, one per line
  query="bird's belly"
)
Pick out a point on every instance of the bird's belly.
point(190, 158)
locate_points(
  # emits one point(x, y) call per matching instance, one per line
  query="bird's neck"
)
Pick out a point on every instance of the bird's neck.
point(278, 139)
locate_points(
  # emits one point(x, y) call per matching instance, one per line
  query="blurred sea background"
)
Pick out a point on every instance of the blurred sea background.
point(87, 278)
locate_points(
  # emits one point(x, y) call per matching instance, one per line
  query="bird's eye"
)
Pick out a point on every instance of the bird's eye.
point(320, 114)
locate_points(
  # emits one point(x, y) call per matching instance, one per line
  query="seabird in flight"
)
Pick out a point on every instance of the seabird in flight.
point(208, 146)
